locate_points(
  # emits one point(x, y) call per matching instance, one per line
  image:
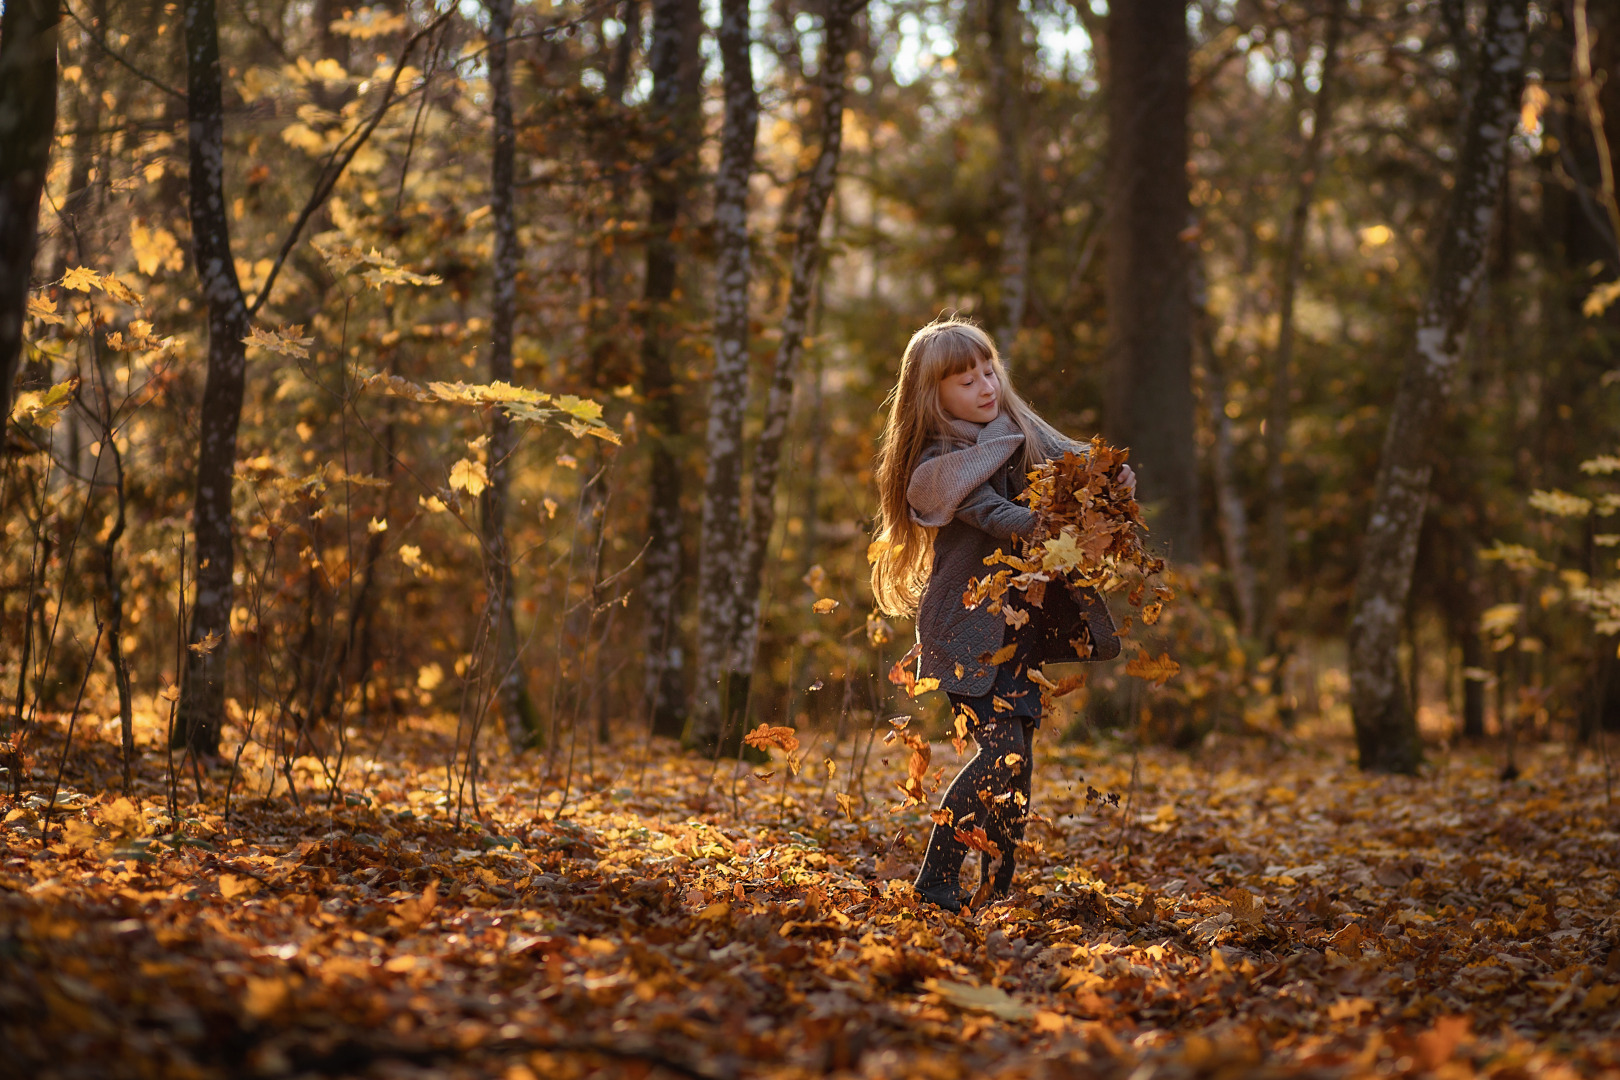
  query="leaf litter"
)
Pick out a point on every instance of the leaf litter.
point(1256, 910)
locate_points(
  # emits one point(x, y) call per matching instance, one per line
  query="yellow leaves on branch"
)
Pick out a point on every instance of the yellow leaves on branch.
point(411, 556)
point(1560, 503)
point(288, 340)
point(1602, 465)
point(43, 408)
point(579, 416)
point(369, 22)
point(1156, 671)
point(381, 269)
point(83, 279)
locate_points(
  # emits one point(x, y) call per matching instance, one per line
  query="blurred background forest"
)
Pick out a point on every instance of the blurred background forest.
point(499, 362)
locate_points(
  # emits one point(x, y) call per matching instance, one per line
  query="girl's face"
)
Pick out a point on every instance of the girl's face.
point(973, 395)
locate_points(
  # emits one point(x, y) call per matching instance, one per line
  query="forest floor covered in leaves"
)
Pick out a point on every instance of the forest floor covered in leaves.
point(1255, 908)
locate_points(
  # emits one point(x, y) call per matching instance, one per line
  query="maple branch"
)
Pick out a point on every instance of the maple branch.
point(335, 165)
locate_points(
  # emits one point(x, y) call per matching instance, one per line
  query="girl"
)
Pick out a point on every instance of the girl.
point(957, 446)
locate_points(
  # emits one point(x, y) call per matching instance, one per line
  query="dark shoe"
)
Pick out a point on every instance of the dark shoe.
point(942, 896)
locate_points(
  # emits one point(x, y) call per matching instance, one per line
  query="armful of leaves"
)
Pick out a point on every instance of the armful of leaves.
point(1087, 535)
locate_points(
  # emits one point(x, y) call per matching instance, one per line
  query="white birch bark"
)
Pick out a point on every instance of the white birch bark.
point(805, 265)
point(1386, 731)
point(720, 570)
point(202, 702)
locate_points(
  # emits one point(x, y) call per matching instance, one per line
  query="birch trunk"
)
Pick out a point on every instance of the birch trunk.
point(1006, 93)
point(805, 265)
point(1386, 731)
point(673, 58)
point(27, 121)
point(1277, 414)
point(202, 703)
point(1149, 390)
point(507, 669)
point(719, 574)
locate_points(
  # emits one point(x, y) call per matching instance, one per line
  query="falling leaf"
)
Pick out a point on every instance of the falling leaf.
point(1156, 671)
point(1000, 656)
point(206, 644)
point(377, 525)
point(825, 606)
point(816, 578)
point(768, 735)
point(817, 685)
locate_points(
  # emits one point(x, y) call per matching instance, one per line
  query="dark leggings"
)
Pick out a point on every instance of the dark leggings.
point(1003, 822)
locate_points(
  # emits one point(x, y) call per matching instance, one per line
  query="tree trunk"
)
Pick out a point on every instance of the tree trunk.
point(673, 58)
point(27, 122)
point(1006, 41)
point(805, 265)
point(202, 704)
point(718, 701)
point(1386, 731)
point(1149, 394)
point(507, 669)
point(1281, 378)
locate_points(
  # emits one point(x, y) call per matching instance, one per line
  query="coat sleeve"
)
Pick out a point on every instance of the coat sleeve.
point(995, 514)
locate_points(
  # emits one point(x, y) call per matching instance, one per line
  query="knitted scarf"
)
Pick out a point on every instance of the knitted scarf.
point(940, 483)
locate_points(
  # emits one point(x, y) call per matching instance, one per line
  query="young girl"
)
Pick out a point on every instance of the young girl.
point(956, 450)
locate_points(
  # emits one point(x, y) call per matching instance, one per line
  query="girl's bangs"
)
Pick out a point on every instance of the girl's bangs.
point(952, 352)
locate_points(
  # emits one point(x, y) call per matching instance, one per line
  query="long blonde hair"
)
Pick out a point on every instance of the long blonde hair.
point(903, 555)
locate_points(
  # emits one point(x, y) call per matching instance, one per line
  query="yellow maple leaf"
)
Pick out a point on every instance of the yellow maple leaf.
point(44, 309)
point(469, 476)
point(81, 279)
point(1062, 552)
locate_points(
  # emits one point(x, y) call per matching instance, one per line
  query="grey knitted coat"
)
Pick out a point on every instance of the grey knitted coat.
point(964, 486)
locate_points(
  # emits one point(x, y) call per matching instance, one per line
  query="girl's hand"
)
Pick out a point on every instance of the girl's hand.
point(1128, 477)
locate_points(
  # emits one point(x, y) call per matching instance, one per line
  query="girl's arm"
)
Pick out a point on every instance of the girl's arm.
point(989, 512)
